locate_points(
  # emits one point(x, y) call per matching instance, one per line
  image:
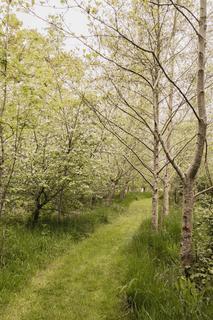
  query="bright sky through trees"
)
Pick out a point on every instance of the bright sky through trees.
point(75, 20)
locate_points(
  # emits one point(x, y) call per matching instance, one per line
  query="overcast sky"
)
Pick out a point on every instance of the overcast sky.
point(75, 19)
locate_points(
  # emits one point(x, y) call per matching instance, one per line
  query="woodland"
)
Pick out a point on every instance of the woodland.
point(106, 161)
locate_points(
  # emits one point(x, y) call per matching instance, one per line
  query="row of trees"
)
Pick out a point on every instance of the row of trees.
point(154, 91)
point(54, 155)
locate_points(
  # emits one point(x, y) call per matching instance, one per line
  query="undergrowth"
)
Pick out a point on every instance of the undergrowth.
point(202, 271)
point(155, 288)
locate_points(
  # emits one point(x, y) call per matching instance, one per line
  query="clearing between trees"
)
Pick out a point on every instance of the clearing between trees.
point(85, 282)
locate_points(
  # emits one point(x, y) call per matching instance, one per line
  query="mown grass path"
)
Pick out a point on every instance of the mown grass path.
point(85, 283)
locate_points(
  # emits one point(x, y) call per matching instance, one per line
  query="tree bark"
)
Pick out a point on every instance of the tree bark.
point(38, 207)
point(188, 205)
point(155, 205)
point(166, 194)
point(155, 161)
point(111, 194)
point(60, 201)
point(35, 216)
point(123, 193)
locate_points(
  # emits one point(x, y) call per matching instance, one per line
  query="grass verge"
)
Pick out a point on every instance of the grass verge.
point(23, 251)
point(84, 282)
point(155, 289)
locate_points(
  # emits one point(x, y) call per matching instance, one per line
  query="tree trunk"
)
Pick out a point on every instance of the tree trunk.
point(111, 194)
point(155, 159)
point(155, 205)
point(188, 204)
point(35, 216)
point(60, 200)
point(176, 198)
point(166, 192)
point(122, 193)
point(156, 141)
point(2, 204)
point(38, 206)
point(188, 195)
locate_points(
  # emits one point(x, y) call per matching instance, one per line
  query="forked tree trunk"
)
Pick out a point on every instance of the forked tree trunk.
point(190, 176)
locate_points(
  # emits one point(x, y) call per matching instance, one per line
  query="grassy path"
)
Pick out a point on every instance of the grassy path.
point(84, 283)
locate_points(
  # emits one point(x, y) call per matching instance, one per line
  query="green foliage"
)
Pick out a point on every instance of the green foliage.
point(56, 157)
point(155, 288)
point(202, 271)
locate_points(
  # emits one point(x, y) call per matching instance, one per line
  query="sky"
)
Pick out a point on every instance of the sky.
point(74, 18)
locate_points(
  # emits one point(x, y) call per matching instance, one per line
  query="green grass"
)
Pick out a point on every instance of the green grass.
point(123, 270)
point(84, 282)
point(23, 251)
point(155, 288)
point(132, 196)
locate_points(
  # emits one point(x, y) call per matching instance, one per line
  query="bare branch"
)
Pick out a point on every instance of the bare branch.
point(203, 191)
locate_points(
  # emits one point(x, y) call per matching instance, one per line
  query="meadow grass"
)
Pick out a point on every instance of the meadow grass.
point(85, 282)
point(24, 251)
point(155, 288)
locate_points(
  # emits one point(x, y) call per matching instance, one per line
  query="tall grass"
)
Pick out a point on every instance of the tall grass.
point(155, 288)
